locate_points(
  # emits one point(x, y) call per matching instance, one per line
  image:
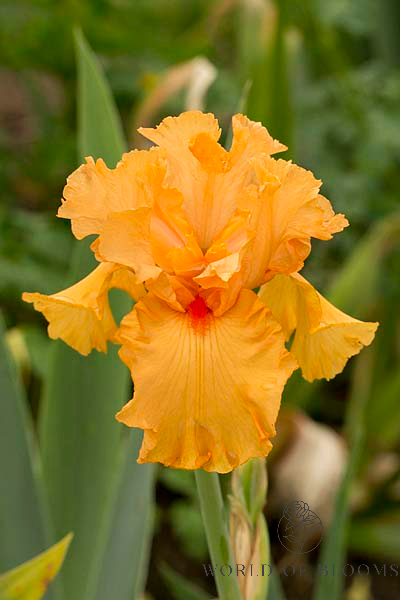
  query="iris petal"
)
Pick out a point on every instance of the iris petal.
point(206, 396)
point(325, 336)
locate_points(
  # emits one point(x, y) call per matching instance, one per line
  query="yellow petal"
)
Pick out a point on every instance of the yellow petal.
point(81, 315)
point(211, 155)
point(234, 236)
point(94, 191)
point(325, 336)
point(250, 139)
point(225, 261)
point(173, 241)
point(219, 272)
point(293, 301)
point(126, 280)
point(222, 297)
point(209, 177)
point(207, 389)
point(146, 239)
point(125, 239)
point(175, 135)
point(286, 211)
point(177, 292)
point(229, 172)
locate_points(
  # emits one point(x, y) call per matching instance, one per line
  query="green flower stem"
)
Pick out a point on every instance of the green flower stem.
point(212, 511)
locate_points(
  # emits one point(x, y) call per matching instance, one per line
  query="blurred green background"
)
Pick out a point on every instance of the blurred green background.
point(324, 77)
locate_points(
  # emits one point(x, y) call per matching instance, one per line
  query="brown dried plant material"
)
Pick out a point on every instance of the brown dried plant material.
point(309, 464)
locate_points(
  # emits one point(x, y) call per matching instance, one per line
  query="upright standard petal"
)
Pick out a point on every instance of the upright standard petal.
point(125, 239)
point(286, 212)
point(94, 191)
point(229, 172)
point(250, 140)
point(208, 176)
point(325, 337)
point(80, 315)
point(207, 389)
point(148, 239)
point(174, 135)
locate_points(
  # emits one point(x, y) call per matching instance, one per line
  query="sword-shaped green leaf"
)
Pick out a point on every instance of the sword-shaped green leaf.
point(122, 569)
point(333, 551)
point(22, 513)
point(80, 437)
point(96, 487)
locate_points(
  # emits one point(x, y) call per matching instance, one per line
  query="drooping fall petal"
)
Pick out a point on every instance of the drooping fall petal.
point(325, 336)
point(209, 399)
point(126, 280)
point(81, 315)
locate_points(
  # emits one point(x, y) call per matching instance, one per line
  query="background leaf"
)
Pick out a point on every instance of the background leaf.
point(376, 537)
point(180, 587)
point(275, 590)
point(22, 513)
point(357, 285)
point(81, 439)
point(333, 547)
point(128, 531)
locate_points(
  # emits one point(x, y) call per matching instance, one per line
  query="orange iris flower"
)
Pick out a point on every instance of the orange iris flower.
point(189, 229)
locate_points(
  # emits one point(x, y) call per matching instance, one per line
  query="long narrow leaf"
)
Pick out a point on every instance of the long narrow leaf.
point(80, 437)
point(264, 60)
point(357, 285)
point(275, 589)
point(334, 544)
point(22, 522)
point(123, 544)
point(377, 537)
point(123, 568)
point(180, 587)
point(99, 127)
